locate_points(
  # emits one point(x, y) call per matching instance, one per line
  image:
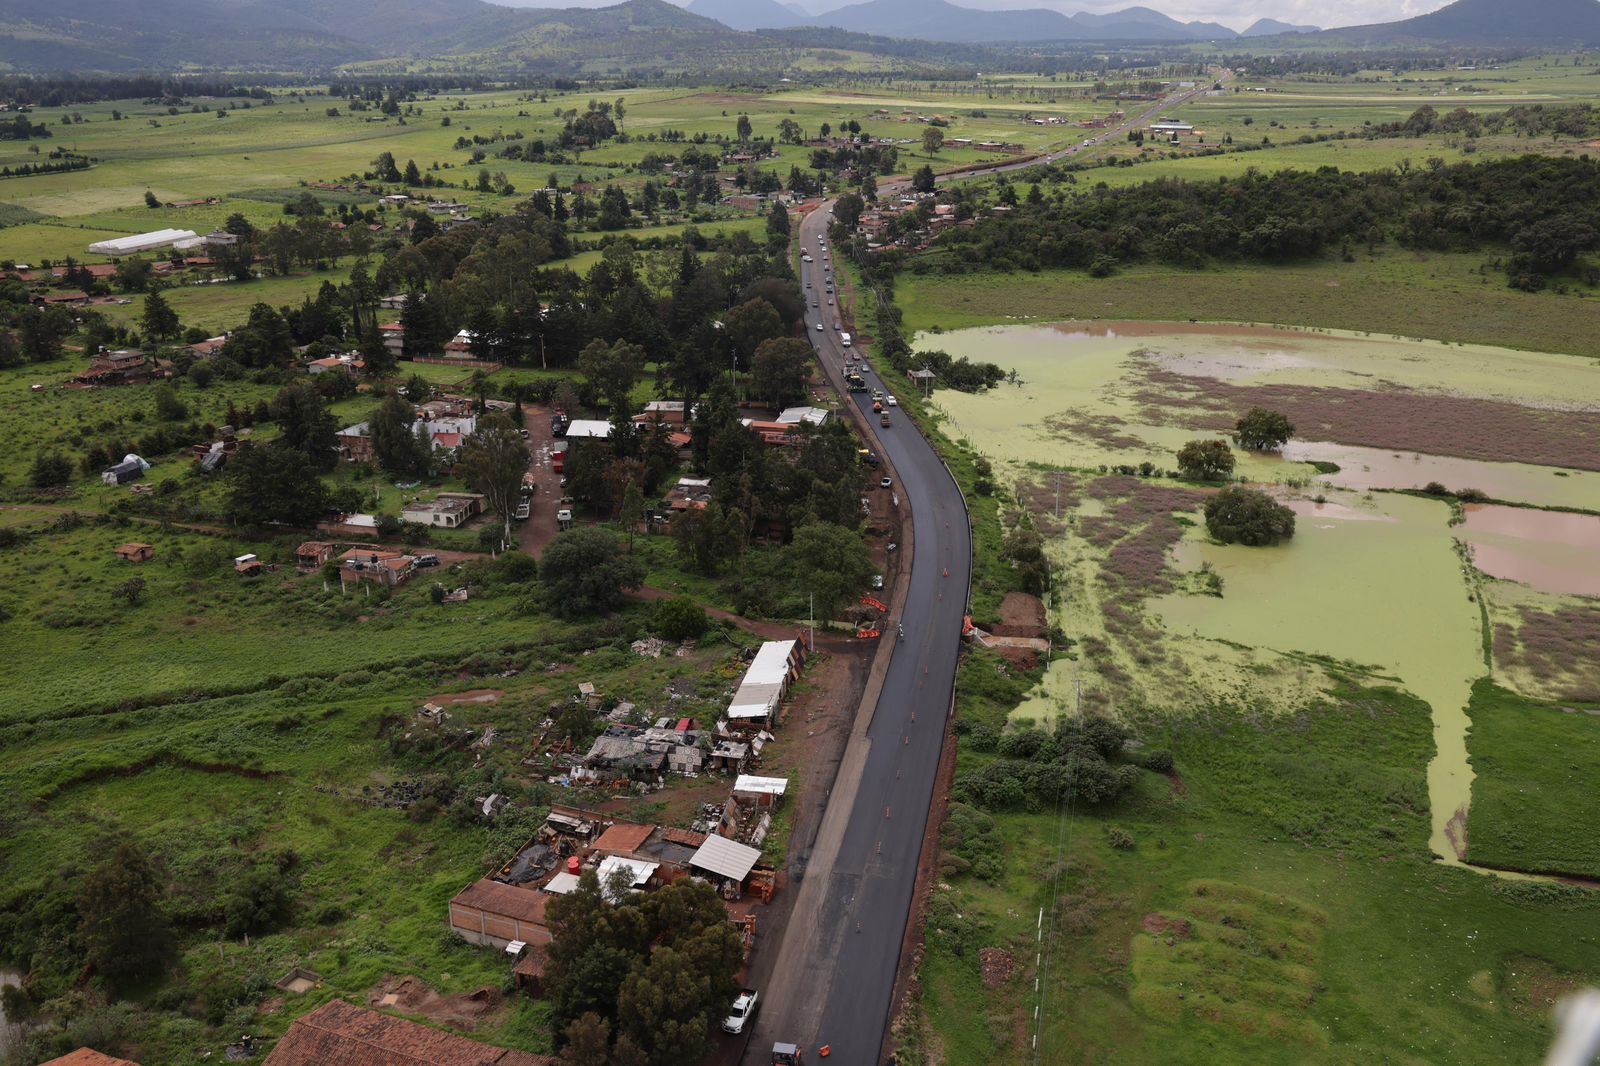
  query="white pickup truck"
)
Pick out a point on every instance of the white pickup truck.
point(744, 1008)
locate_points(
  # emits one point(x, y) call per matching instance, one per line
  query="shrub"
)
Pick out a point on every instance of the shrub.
point(680, 618)
point(1205, 460)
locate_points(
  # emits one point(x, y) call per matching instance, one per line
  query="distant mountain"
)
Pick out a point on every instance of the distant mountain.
point(1272, 27)
point(1559, 23)
point(939, 20)
point(748, 14)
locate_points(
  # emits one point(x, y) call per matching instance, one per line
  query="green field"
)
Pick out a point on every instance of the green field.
point(1437, 296)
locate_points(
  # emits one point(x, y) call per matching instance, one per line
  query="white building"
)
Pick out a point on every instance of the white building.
point(143, 242)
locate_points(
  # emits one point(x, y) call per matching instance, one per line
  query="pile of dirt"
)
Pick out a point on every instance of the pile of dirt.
point(412, 996)
point(1021, 615)
point(1159, 925)
point(996, 965)
point(477, 695)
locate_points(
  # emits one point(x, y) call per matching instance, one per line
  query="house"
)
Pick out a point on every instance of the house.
point(588, 429)
point(85, 1056)
point(355, 443)
point(460, 346)
point(340, 1033)
point(492, 914)
point(55, 299)
point(347, 362)
point(208, 348)
point(394, 338)
point(312, 555)
point(379, 567)
point(690, 493)
point(448, 510)
point(136, 553)
point(670, 411)
point(775, 666)
point(123, 367)
point(130, 469)
point(623, 838)
point(760, 791)
point(396, 302)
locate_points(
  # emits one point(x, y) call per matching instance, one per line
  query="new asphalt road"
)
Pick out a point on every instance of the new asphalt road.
point(835, 974)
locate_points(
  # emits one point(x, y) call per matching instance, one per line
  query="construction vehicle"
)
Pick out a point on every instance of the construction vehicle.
point(787, 1055)
point(855, 382)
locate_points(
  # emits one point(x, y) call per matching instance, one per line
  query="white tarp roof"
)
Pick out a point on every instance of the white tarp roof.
point(772, 786)
point(764, 682)
point(725, 858)
point(795, 415)
point(142, 242)
point(561, 884)
point(589, 428)
point(638, 872)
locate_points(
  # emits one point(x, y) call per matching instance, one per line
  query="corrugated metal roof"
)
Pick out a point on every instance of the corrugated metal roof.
point(726, 858)
point(638, 871)
point(775, 786)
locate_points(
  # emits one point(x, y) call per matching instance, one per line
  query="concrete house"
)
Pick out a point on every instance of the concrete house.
point(136, 553)
point(340, 1034)
point(492, 915)
point(448, 510)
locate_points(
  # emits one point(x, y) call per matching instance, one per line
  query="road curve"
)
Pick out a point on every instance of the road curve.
point(835, 974)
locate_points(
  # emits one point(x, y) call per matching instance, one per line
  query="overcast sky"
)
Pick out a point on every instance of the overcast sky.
point(1237, 14)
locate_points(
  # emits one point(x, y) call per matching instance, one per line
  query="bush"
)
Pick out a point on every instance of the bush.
point(1205, 460)
point(680, 618)
point(1239, 515)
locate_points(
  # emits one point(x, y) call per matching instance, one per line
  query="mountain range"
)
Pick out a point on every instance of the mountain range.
point(642, 37)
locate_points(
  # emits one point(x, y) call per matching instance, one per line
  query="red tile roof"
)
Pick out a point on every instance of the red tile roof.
point(624, 838)
point(88, 1057)
point(346, 1035)
point(493, 897)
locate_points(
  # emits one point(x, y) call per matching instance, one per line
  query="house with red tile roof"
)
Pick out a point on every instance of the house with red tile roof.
point(341, 1033)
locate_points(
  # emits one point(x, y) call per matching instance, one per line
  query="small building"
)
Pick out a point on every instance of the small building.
point(761, 791)
point(130, 469)
point(396, 302)
point(313, 555)
point(341, 1034)
point(776, 664)
point(448, 510)
point(1170, 127)
point(588, 429)
point(492, 914)
point(210, 347)
point(136, 553)
point(669, 411)
point(725, 859)
point(460, 346)
point(690, 493)
point(379, 567)
point(394, 338)
point(356, 525)
point(623, 838)
point(355, 443)
point(118, 368)
point(810, 416)
point(86, 1056)
point(142, 242)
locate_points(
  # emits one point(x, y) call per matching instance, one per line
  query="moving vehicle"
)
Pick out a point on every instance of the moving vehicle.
point(891, 401)
point(885, 422)
point(744, 1007)
point(844, 339)
point(877, 394)
point(805, 259)
point(787, 1055)
point(830, 301)
point(523, 511)
point(819, 327)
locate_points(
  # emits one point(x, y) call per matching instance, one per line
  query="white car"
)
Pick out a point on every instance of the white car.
point(743, 1008)
point(819, 327)
point(806, 259)
point(885, 483)
point(891, 401)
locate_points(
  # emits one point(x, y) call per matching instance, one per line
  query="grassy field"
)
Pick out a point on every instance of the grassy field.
point(1536, 764)
point(1440, 297)
point(1264, 887)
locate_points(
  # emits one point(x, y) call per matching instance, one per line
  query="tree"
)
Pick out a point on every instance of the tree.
point(394, 444)
point(1205, 460)
point(585, 572)
point(123, 930)
point(274, 483)
point(150, 199)
point(50, 470)
point(847, 211)
point(1238, 515)
point(830, 563)
point(613, 369)
point(923, 180)
point(932, 140)
point(168, 407)
point(132, 590)
point(1261, 430)
point(751, 323)
point(780, 370)
point(742, 129)
point(493, 460)
point(306, 425)
point(630, 512)
point(680, 618)
point(159, 321)
point(588, 1041)
point(778, 223)
point(412, 175)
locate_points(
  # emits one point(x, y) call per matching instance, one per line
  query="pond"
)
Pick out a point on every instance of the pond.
point(1553, 551)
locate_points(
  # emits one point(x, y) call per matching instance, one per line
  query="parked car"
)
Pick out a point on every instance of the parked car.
point(424, 561)
point(885, 482)
point(877, 582)
point(744, 1007)
point(523, 511)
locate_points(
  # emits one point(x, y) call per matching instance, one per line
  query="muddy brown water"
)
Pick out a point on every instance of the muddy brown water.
point(1550, 550)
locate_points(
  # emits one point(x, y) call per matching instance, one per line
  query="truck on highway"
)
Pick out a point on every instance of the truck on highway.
point(844, 339)
point(855, 382)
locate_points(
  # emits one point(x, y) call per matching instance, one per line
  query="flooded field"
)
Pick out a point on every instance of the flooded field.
point(1372, 580)
point(1547, 550)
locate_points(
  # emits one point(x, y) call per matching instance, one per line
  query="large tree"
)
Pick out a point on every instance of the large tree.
point(1261, 430)
point(932, 140)
point(394, 443)
point(493, 460)
point(586, 572)
point(613, 370)
point(1205, 460)
point(159, 321)
point(274, 482)
point(124, 932)
point(1238, 515)
point(780, 370)
point(830, 563)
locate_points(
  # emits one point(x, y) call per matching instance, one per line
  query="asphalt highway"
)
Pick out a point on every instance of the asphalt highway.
point(835, 976)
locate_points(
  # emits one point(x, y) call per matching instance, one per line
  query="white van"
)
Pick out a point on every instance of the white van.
point(844, 339)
